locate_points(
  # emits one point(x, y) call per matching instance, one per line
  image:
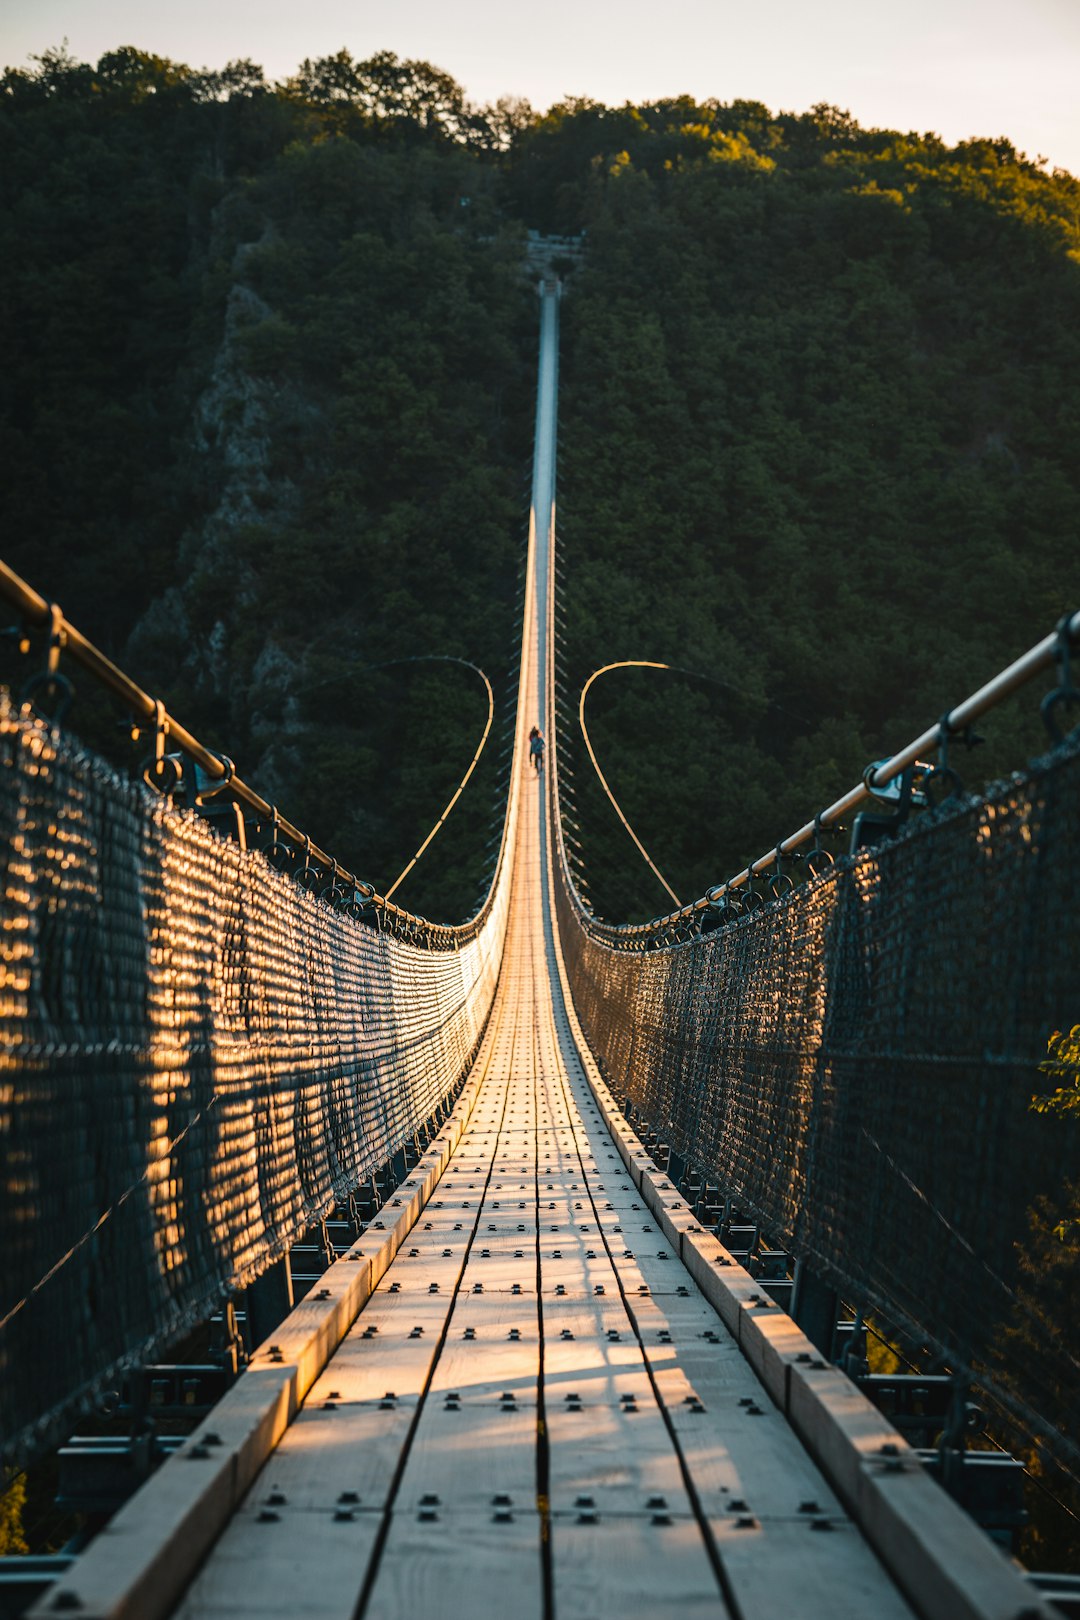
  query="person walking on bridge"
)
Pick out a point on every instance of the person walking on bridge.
point(536, 748)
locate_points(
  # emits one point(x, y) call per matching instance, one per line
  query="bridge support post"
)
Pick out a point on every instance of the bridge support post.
point(269, 1301)
point(814, 1307)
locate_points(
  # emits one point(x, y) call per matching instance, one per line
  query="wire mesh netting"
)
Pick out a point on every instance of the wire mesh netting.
point(854, 1063)
point(200, 1059)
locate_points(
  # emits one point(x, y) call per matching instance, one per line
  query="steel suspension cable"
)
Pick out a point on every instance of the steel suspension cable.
point(1053, 648)
point(625, 663)
point(675, 669)
point(444, 658)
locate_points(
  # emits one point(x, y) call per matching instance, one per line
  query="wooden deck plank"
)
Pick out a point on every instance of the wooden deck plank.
point(624, 1539)
point(631, 1568)
point(310, 1566)
point(465, 1527)
point(460, 1565)
point(750, 1474)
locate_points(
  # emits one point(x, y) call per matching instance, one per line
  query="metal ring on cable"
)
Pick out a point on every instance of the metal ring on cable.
point(161, 771)
point(819, 859)
point(280, 854)
point(724, 902)
point(728, 908)
point(1066, 695)
point(335, 893)
point(49, 682)
point(307, 874)
point(366, 910)
point(942, 772)
point(781, 882)
point(45, 686)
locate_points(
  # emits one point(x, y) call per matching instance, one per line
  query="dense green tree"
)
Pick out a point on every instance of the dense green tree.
point(819, 397)
point(266, 417)
point(815, 380)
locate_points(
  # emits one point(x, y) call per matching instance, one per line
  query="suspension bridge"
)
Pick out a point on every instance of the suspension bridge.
point(540, 1229)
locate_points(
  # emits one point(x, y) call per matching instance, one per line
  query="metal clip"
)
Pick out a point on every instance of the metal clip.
point(781, 882)
point(335, 893)
point(280, 854)
point(819, 859)
point(161, 771)
point(943, 771)
point(1066, 695)
point(205, 787)
point(49, 682)
point(751, 896)
point(307, 873)
point(887, 793)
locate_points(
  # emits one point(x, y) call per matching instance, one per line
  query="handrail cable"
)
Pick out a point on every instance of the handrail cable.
point(38, 611)
point(1002, 685)
point(625, 663)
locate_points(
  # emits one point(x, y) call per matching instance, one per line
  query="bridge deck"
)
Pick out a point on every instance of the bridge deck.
point(537, 1411)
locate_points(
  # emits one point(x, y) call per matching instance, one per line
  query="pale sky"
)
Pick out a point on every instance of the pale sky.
point(958, 67)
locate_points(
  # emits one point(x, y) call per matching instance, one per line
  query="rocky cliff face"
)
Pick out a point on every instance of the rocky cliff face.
point(356, 506)
point(203, 633)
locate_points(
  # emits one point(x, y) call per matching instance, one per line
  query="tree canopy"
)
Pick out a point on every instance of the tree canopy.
point(268, 409)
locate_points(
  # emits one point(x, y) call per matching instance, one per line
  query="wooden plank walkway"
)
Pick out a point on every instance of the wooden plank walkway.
point(537, 1413)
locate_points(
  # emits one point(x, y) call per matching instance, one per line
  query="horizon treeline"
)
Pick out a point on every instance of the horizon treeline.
point(267, 424)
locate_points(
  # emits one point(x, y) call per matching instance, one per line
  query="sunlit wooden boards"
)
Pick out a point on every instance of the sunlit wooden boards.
point(537, 1413)
point(671, 1410)
point(465, 1527)
point(388, 1455)
point(660, 1429)
point(934, 1554)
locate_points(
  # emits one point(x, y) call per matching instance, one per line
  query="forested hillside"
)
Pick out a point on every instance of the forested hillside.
point(819, 439)
point(267, 423)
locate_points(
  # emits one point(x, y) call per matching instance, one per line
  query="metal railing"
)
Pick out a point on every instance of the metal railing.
point(1054, 649)
point(344, 888)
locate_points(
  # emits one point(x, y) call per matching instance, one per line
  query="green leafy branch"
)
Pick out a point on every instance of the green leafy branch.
point(1062, 1064)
